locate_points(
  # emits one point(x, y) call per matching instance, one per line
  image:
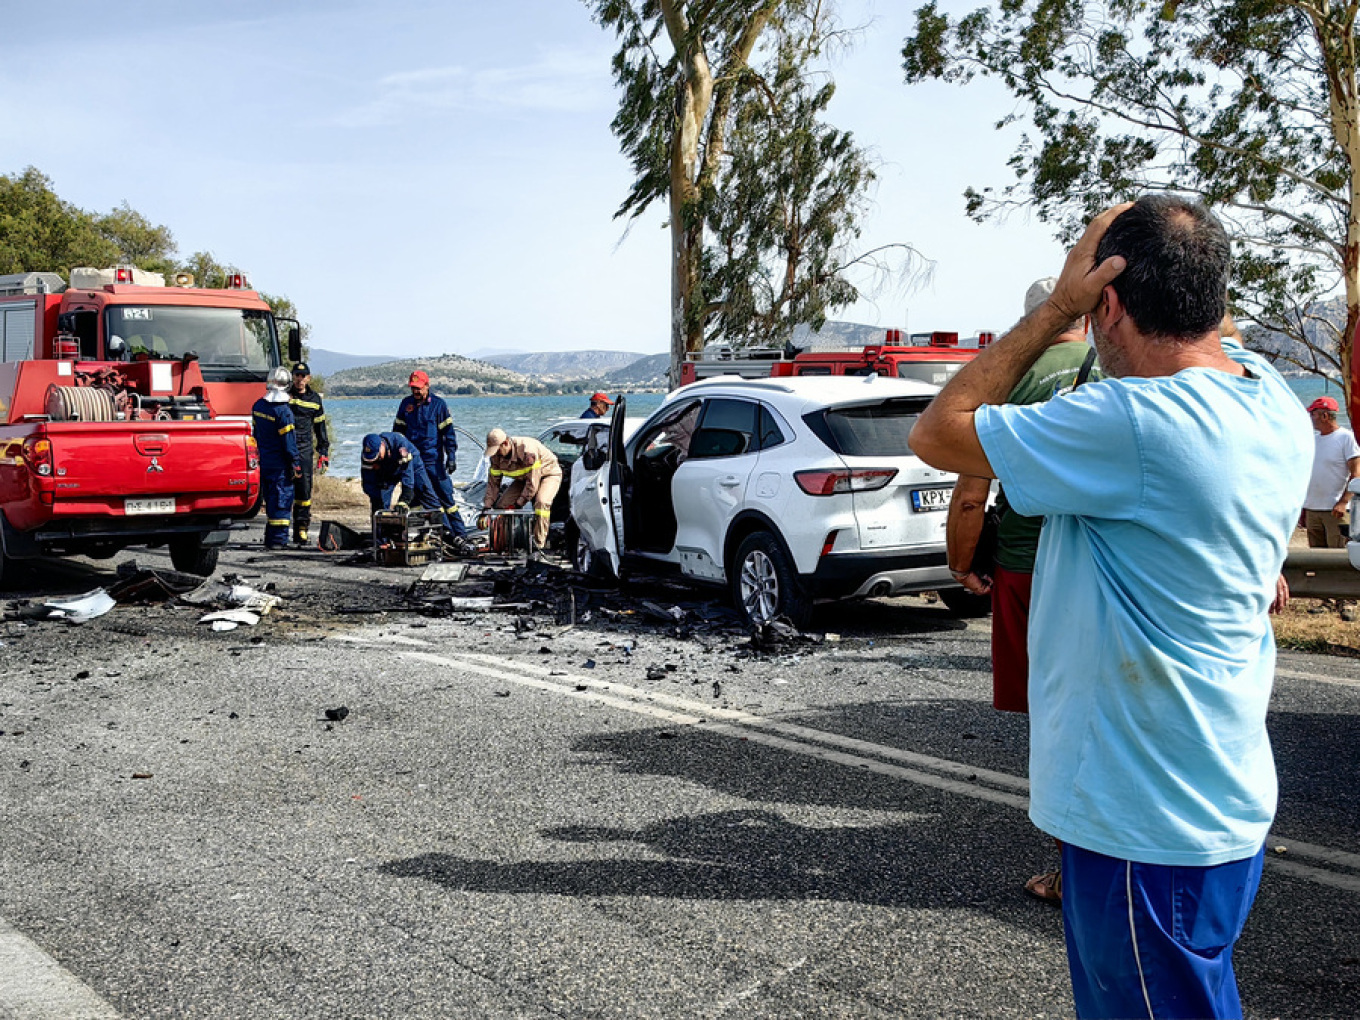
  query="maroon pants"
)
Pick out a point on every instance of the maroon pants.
point(1010, 640)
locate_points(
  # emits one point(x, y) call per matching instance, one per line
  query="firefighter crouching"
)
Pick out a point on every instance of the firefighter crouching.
point(389, 459)
point(523, 471)
point(272, 424)
point(314, 445)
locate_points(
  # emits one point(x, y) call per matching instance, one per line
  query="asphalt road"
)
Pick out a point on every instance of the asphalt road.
point(604, 820)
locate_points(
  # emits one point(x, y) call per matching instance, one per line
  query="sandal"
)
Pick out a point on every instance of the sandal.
point(1046, 887)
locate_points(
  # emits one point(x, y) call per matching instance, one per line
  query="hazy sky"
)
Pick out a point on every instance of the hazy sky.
point(425, 177)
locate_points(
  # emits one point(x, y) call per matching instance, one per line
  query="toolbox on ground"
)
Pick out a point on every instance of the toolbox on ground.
point(407, 538)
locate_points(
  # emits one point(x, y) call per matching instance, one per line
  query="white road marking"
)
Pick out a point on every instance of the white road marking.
point(805, 741)
point(1340, 681)
point(33, 986)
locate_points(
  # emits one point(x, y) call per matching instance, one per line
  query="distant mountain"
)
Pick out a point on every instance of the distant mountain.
point(558, 366)
point(844, 334)
point(647, 373)
point(324, 362)
point(450, 375)
point(453, 375)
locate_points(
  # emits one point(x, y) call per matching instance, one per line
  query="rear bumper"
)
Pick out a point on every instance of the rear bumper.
point(853, 575)
point(70, 535)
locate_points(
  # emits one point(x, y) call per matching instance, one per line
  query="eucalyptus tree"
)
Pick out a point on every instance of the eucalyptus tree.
point(695, 79)
point(1250, 105)
point(792, 194)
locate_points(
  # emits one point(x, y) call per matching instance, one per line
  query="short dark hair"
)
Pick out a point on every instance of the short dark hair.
point(1176, 283)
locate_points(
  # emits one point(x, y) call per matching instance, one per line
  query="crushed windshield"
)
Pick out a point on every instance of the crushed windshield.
point(231, 343)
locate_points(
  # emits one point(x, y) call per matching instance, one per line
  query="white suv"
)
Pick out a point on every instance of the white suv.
point(786, 490)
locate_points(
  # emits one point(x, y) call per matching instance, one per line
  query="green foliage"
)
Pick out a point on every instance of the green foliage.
point(1227, 100)
point(139, 242)
point(720, 115)
point(41, 233)
point(793, 192)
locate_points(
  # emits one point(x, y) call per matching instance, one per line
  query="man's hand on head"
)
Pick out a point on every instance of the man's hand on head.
point(1078, 290)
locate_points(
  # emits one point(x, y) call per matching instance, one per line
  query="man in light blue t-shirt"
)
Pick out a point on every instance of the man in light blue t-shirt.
point(1170, 491)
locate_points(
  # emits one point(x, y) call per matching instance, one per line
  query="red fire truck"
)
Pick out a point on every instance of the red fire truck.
point(124, 412)
point(928, 357)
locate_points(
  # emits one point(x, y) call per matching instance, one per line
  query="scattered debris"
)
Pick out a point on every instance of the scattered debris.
point(141, 775)
point(141, 585)
point(220, 593)
point(335, 536)
point(230, 619)
point(779, 635)
point(81, 608)
point(337, 714)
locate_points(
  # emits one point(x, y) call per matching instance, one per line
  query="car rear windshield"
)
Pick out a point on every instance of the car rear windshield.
point(868, 430)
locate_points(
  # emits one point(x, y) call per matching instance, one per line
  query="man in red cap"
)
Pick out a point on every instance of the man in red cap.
point(599, 406)
point(424, 419)
point(1336, 460)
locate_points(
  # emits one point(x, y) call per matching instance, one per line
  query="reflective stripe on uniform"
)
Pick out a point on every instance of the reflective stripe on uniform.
point(285, 430)
point(446, 423)
point(282, 523)
point(542, 513)
point(305, 403)
point(302, 502)
point(266, 417)
point(503, 472)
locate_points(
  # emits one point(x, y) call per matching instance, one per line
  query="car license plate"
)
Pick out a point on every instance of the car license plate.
point(923, 500)
point(163, 505)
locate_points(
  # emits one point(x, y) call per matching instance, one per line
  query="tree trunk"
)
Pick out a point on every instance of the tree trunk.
point(692, 104)
point(688, 177)
point(1334, 29)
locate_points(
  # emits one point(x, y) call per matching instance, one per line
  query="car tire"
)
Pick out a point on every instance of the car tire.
point(765, 585)
point(190, 556)
point(965, 604)
point(586, 560)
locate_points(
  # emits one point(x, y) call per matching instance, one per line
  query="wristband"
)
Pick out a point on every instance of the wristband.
point(958, 575)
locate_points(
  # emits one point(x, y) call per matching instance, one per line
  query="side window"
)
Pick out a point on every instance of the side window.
point(727, 429)
point(16, 332)
point(814, 369)
point(770, 432)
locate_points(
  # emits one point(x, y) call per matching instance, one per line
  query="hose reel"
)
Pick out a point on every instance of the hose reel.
point(80, 403)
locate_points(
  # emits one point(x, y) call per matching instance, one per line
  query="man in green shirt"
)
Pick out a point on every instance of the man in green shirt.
point(1017, 538)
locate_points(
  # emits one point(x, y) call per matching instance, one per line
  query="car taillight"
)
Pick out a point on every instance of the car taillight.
point(38, 453)
point(832, 483)
point(252, 453)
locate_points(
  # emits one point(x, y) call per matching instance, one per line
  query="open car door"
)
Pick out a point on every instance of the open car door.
point(597, 497)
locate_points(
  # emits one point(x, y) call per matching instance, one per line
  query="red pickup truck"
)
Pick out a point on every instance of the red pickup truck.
point(102, 448)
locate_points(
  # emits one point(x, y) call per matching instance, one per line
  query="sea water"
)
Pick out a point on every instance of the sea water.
point(353, 418)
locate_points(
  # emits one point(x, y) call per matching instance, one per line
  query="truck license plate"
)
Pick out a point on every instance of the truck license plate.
point(930, 499)
point(163, 505)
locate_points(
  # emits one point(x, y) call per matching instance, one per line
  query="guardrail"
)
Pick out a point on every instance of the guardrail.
point(1321, 574)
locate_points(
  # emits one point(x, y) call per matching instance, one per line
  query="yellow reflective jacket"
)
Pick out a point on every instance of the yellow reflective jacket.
point(528, 461)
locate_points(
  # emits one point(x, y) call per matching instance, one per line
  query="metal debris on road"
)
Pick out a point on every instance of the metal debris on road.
point(81, 608)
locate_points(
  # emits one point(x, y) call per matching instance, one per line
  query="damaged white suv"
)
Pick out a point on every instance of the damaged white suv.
point(786, 490)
